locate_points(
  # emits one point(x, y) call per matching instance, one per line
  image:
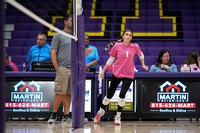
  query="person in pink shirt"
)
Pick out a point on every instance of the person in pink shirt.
point(8, 62)
point(123, 70)
point(193, 61)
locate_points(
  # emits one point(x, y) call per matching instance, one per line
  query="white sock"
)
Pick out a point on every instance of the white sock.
point(121, 102)
point(106, 101)
point(119, 114)
point(101, 110)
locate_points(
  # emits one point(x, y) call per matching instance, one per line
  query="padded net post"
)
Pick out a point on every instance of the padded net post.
point(78, 76)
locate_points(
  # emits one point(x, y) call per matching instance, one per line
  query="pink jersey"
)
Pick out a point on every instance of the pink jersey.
point(124, 65)
point(14, 67)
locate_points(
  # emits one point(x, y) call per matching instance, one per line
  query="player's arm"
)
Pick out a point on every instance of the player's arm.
point(108, 63)
point(142, 62)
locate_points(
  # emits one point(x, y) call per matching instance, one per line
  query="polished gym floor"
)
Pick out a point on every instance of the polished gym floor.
point(179, 126)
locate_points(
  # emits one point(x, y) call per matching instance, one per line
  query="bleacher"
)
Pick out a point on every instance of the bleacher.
point(169, 24)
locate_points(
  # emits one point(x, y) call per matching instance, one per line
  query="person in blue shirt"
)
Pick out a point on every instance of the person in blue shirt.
point(41, 51)
point(93, 58)
point(164, 60)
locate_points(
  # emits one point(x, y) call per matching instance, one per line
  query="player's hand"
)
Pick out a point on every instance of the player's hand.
point(145, 68)
point(102, 74)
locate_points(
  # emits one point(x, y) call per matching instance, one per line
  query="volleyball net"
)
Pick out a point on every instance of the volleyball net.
point(43, 16)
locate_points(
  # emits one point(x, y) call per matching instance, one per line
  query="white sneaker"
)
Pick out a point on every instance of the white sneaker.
point(52, 119)
point(117, 120)
point(85, 120)
point(68, 120)
point(97, 118)
point(65, 118)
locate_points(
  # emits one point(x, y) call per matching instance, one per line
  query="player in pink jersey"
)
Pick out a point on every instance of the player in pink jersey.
point(123, 70)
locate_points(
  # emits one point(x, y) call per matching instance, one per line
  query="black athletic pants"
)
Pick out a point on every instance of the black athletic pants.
point(126, 82)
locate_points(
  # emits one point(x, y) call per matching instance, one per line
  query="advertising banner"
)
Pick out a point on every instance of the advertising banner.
point(29, 96)
point(36, 96)
point(171, 96)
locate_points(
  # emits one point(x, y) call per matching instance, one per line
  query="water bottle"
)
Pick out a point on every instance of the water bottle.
point(185, 68)
point(162, 69)
point(24, 67)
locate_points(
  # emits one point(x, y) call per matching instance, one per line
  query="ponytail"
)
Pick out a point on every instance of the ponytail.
point(112, 44)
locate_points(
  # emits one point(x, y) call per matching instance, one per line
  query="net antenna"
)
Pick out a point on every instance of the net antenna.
point(38, 19)
point(77, 4)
